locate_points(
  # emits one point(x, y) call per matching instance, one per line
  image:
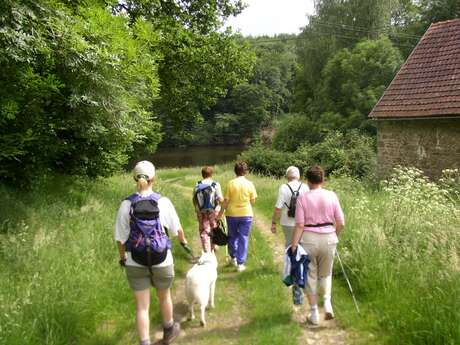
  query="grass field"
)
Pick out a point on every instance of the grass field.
point(60, 282)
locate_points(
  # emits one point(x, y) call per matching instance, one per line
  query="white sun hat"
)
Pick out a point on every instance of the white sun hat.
point(144, 169)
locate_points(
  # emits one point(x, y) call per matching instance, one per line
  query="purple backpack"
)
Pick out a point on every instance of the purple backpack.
point(147, 242)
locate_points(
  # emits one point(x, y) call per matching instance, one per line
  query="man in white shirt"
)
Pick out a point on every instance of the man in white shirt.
point(285, 193)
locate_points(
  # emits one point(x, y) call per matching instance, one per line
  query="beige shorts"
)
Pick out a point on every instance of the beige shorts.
point(139, 277)
point(288, 231)
point(321, 250)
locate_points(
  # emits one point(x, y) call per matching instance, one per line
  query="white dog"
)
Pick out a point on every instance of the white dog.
point(200, 284)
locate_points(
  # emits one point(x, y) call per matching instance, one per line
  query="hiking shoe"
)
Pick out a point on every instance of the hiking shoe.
point(328, 312)
point(232, 261)
point(313, 317)
point(241, 268)
point(171, 333)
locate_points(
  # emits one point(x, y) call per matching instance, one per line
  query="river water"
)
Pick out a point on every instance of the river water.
point(194, 156)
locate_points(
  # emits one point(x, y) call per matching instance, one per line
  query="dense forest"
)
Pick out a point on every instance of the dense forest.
point(84, 84)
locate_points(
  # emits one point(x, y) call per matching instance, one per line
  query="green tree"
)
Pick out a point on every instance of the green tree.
point(353, 82)
point(76, 87)
point(337, 24)
point(199, 63)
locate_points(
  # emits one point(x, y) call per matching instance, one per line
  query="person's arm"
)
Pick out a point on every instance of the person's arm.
point(220, 198)
point(122, 252)
point(338, 216)
point(296, 236)
point(170, 219)
point(121, 230)
point(223, 208)
point(181, 236)
point(299, 224)
point(339, 226)
point(278, 208)
point(275, 218)
point(253, 195)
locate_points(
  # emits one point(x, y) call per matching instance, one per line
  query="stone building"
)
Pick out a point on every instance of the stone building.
point(418, 116)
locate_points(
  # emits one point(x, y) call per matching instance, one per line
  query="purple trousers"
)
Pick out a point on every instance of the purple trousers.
point(238, 237)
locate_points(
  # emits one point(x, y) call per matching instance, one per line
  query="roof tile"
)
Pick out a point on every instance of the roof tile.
point(428, 83)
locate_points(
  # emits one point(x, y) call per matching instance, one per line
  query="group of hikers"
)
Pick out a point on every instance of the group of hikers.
point(310, 216)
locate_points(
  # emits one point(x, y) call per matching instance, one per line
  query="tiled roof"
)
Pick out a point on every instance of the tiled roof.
point(428, 84)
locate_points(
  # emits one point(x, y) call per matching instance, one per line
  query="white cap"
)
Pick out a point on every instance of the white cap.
point(144, 169)
point(292, 172)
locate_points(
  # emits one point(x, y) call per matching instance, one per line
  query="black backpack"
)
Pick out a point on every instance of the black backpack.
point(293, 201)
point(219, 234)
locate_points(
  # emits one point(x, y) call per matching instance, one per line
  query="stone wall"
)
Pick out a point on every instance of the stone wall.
point(428, 144)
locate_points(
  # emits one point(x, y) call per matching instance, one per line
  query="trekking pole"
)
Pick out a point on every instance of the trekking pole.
point(348, 282)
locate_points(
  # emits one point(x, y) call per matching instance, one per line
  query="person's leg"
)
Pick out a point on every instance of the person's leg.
point(308, 242)
point(232, 228)
point(171, 329)
point(326, 286)
point(288, 231)
point(244, 228)
point(166, 306)
point(142, 315)
point(327, 249)
point(205, 229)
point(212, 216)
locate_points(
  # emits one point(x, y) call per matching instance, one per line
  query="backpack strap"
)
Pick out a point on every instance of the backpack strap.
point(133, 198)
point(300, 186)
point(292, 191)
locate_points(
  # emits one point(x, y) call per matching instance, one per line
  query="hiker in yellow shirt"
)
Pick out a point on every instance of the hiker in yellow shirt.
point(239, 197)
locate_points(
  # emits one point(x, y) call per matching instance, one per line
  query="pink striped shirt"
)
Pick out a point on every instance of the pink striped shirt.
point(318, 206)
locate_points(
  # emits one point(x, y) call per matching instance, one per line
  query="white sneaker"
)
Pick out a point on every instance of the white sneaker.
point(241, 268)
point(313, 317)
point(231, 261)
point(328, 312)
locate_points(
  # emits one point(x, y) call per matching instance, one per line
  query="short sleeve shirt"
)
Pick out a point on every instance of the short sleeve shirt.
point(168, 218)
point(284, 198)
point(239, 193)
point(218, 188)
point(318, 206)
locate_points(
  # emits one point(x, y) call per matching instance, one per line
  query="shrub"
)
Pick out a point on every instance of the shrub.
point(340, 154)
point(267, 161)
point(344, 154)
point(294, 130)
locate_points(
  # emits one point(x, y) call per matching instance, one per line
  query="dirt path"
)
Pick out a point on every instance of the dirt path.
point(223, 322)
point(227, 319)
point(328, 333)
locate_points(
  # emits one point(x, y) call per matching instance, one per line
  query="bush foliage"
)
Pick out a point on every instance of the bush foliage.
point(341, 154)
point(76, 87)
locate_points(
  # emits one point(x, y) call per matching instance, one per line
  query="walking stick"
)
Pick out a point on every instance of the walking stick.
point(348, 282)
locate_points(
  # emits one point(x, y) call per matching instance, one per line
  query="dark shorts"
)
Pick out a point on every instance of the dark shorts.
point(139, 277)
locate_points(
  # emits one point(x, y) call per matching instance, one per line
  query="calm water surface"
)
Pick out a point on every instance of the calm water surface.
point(194, 156)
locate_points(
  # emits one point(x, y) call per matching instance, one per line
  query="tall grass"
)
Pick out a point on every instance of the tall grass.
point(402, 244)
point(60, 283)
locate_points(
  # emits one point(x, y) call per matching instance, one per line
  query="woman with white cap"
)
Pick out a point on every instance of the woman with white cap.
point(140, 211)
